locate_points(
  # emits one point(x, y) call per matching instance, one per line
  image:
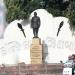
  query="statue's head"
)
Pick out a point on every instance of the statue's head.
point(35, 13)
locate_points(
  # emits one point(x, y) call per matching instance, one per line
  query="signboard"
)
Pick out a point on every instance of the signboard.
point(67, 71)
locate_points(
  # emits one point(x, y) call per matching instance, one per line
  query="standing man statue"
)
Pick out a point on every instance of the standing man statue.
point(35, 24)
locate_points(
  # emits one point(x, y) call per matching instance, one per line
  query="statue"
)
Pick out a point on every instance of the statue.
point(35, 24)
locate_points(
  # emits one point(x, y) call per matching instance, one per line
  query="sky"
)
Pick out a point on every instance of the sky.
point(2, 18)
point(1, 2)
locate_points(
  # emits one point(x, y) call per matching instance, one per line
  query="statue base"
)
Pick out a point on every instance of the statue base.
point(36, 51)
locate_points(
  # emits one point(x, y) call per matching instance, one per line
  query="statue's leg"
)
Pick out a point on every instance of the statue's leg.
point(34, 31)
point(37, 32)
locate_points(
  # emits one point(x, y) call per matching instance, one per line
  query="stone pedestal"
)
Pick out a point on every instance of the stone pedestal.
point(36, 51)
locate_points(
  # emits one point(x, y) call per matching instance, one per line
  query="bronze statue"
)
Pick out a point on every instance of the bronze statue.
point(35, 24)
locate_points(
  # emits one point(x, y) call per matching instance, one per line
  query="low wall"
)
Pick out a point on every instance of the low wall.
point(38, 69)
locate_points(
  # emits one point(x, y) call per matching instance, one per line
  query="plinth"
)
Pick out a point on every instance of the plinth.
point(36, 51)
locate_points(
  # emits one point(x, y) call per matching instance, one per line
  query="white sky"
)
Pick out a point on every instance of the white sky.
point(2, 2)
